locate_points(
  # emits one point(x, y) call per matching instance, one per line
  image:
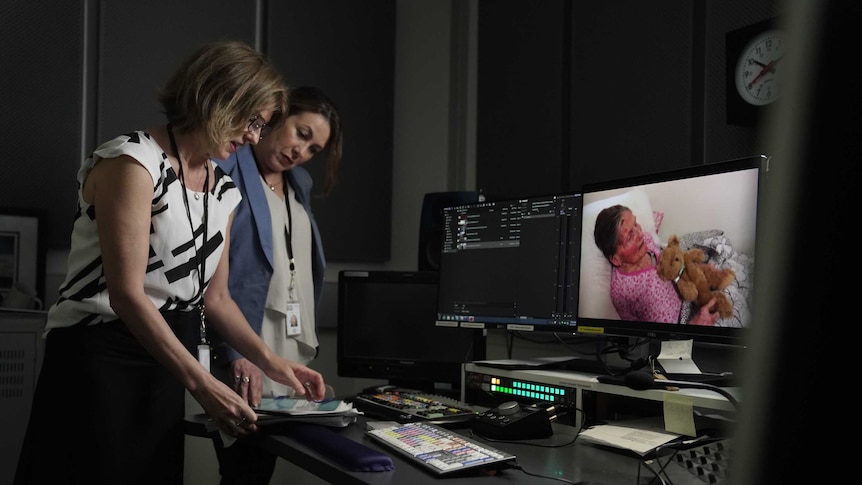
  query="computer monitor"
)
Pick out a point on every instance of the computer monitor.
point(711, 207)
point(386, 331)
point(511, 264)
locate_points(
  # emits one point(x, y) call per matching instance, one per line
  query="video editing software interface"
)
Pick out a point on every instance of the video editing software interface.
point(511, 264)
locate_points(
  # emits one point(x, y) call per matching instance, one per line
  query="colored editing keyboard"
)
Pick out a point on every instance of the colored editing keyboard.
point(440, 450)
point(409, 406)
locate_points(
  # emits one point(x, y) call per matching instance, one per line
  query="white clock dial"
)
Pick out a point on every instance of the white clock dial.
point(757, 70)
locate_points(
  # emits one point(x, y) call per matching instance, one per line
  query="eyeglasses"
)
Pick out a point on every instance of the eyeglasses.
point(257, 125)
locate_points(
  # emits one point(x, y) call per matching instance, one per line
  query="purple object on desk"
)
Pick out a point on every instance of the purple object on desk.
point(348, 453)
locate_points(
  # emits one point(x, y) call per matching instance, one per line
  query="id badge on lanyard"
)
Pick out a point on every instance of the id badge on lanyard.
point(203, 346)
point(293, 322)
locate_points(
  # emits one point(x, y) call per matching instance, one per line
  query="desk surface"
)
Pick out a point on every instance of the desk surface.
point(555, 457)
point(575, 462)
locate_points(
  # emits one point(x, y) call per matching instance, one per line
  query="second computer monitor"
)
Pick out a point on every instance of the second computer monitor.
point(386, 331)
point(511, 264)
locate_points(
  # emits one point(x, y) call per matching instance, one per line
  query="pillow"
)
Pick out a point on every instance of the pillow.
point(594, 299)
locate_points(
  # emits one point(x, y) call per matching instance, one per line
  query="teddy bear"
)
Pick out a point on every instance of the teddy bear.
point(696, 281)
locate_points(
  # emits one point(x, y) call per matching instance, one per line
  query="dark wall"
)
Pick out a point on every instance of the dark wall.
point(568, 92)
point(349, 51)
point(571, 93)
point(77, 73)
point(631, 87)
point(137, 49)
point(41, 55)
point(522, 133)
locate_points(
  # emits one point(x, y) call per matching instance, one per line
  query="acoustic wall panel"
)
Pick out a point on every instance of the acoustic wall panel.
point(141, 44)
point(346, 48)
point(41, 54)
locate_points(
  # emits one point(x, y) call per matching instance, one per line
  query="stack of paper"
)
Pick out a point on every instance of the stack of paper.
point(637, 439)
point(333, 413)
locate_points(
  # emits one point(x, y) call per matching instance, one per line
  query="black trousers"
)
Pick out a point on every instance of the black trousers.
point(104, 411)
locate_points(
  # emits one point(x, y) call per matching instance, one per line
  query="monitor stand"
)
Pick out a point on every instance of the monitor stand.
point(591, 365)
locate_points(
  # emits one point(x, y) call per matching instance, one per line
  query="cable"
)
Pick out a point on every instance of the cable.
point(515, 466)
point(658, 475)
point(676, 446)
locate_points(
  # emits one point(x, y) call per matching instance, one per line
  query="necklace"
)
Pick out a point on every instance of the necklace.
point(271, 186)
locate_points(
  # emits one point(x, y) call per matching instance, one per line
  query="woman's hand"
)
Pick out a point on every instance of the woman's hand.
point(247, 381)
point(304, 381)
point(228, 409)
point(706, 315)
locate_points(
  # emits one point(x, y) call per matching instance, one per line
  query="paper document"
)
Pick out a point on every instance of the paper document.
point(334, 413)
point(675, 357)
point(302, 406)
point(639, 440)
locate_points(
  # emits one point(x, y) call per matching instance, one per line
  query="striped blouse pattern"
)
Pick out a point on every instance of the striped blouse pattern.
point(172, 278)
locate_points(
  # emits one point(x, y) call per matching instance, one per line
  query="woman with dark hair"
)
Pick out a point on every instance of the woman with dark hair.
point(277, 260)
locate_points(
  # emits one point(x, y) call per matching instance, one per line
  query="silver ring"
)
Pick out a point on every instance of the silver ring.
point(245, 379)
point(239, 423)
point(236, 378)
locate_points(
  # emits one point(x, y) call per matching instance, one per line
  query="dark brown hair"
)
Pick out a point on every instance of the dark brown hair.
point(308, 99)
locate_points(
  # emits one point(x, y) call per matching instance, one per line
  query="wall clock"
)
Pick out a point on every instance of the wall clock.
point(758, 68)
point(754, 55)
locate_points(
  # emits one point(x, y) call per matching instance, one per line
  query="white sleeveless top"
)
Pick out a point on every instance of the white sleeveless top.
point(172, 278)
point(303, 347)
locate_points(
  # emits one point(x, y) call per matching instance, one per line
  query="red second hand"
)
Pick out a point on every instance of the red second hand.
point(763, 71)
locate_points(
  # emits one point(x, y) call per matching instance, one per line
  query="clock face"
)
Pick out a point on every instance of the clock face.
point(758, 68)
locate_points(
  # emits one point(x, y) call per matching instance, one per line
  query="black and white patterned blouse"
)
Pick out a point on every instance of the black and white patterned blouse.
point(172, 278)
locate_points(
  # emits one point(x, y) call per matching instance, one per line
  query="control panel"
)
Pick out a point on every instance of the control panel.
point(511, 421)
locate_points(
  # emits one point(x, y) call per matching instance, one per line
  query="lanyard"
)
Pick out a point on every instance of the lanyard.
point(288, 231)
point(288, 239)
point(200, 259)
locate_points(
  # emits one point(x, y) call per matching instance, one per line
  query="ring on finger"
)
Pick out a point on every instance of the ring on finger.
point(245, 379)
point(236, 378)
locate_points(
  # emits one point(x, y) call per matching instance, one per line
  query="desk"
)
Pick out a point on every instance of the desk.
point(574, 462)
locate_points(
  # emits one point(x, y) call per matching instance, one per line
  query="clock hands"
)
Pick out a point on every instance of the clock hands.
point(767, 68)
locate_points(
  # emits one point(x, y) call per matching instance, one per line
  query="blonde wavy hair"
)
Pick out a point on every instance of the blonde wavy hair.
point(219, 87)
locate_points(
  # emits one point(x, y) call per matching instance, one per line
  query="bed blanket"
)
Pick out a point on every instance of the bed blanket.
point(720, 251)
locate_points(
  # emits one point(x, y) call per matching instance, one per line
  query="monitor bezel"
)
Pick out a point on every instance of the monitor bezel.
point(665, 331)
point(479, 321)
point(400, 370)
